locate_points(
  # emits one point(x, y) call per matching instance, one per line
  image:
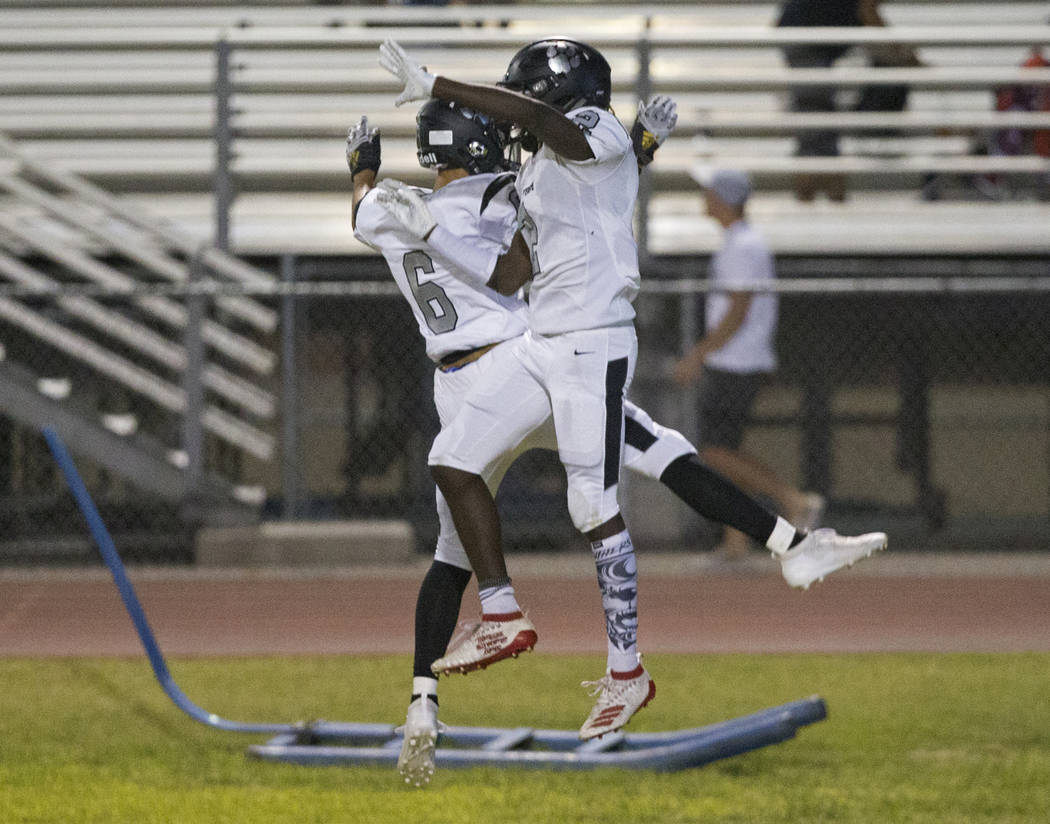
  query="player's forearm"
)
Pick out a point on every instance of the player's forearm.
point(499, 104)
point(545, 123)
point(364, 182)
point(513, 269)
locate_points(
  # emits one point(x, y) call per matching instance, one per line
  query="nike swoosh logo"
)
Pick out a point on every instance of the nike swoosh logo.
point(578, 352)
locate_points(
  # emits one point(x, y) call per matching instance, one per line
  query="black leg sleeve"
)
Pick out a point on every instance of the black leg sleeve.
point(437, 609)
point(717, 498)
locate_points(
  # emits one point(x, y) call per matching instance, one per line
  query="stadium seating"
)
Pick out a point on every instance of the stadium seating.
point(127, 98)
point(126, 374)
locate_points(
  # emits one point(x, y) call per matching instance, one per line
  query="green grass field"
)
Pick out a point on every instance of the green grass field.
point(910, 737)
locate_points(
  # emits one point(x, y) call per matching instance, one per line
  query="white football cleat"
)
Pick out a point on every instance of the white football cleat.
point(496, 637)
point(824, 551)
point(620, 696)
point(416, 762)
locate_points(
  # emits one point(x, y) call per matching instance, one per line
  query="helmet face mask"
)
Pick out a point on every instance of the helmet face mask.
point(520, 140)
point(563, 73)
point(449, 136)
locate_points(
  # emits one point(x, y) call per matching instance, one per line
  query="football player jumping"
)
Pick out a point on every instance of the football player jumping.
point(574, 363)
point(469, 330)
point(464, 229)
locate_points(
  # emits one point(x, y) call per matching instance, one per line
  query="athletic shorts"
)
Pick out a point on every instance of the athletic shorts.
point(649, 447)
point(725, 400)
point(576, 379)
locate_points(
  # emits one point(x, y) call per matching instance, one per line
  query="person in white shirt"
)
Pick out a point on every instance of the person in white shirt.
point(735, 354)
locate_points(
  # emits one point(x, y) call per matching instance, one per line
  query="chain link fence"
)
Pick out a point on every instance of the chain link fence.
point(917, 405)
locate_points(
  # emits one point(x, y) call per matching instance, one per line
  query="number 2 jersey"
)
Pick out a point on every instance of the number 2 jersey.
point(577, 218)
point(453, 315)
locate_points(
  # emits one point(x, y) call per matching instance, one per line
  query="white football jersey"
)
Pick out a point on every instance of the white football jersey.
point(577, 217)
point(452, 315)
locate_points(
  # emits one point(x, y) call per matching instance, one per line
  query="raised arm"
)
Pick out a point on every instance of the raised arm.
point(890, 54)
point(868, 12)
point(561, 135)
point(546, 123)
point(363, 157)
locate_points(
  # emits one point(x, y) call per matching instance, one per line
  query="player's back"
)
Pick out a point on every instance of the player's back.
point(452, 315)
point(578, 221)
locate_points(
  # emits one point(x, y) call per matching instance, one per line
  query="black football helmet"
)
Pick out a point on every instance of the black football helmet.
point(565, 74)
point(450, 136)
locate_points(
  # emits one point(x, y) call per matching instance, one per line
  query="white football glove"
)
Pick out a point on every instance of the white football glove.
point(659, 116)
point(362, 147)
point(418, 81)
point(406, 206)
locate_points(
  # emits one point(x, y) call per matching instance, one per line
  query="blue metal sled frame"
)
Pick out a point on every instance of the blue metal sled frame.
point(327, 742)
point(330, 743)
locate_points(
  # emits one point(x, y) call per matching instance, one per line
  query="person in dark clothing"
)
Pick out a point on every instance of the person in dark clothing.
point(824, 142)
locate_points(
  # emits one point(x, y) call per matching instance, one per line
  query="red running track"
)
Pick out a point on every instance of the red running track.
point(80, 613)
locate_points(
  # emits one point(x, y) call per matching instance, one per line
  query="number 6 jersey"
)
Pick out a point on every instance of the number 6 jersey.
point(452, 315)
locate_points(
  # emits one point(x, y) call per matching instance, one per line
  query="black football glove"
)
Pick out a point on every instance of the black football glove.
point(655, 121)
point(362, 147)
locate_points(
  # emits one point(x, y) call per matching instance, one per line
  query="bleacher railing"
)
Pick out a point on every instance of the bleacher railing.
point(284, 84)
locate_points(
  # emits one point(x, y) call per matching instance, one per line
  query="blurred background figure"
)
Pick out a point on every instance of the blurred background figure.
point(735, 354)
point(1018, 141)
point(825, 142)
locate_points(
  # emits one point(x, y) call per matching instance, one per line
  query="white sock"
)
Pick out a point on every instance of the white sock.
point(499, 600)
point(622, 661)
point(780, 539)
point(422, 685)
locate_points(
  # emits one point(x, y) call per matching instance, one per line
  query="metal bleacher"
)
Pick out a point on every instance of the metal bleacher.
point(136, 378)
point(133, 98)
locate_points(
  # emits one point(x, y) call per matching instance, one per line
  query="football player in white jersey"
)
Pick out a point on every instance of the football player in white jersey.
point(576, 361)
point(467, 330)
point(650, 449)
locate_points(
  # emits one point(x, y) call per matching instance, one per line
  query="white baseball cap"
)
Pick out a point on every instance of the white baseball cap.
point(731, 186)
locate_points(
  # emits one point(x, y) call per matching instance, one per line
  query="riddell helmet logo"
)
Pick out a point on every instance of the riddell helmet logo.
point(427, 157)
